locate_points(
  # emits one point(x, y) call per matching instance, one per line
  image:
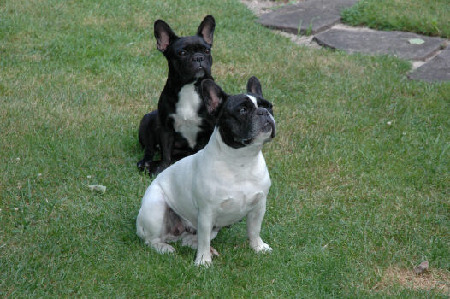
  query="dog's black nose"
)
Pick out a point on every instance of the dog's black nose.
point(198, 58)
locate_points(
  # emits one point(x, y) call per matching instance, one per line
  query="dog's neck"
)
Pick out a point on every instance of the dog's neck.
point(174, 78)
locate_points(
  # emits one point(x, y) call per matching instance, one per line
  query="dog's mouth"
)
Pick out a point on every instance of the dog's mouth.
point(269, 126)
point(200, 72)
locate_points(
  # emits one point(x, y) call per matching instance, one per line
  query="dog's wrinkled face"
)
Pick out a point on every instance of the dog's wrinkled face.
point(243, 119)
point(190, 57)
point(246, 119)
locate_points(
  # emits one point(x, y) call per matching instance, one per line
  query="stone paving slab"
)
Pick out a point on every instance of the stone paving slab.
point(310, 16)
point(381, 43)
point(437, 69)
point(316, 17)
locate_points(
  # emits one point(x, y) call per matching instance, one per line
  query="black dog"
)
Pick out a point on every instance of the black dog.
point(181, 126)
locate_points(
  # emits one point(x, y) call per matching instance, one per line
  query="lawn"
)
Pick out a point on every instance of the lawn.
point(359, 166)
point(429, 17)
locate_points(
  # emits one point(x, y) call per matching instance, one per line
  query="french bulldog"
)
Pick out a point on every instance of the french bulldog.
point(184, 125)
point(219, 185)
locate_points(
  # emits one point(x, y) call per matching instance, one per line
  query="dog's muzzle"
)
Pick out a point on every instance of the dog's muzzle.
point(269, 121)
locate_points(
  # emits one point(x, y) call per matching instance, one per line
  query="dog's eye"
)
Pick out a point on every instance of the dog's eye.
point(207, 51)
point(182, 53)
point(243, 110)
point(265, 105)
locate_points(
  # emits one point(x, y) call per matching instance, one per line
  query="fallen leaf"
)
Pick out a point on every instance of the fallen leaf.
point(98, 188)
point(416, 41)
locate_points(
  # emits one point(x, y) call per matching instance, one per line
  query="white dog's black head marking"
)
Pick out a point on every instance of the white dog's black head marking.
point(242, 119)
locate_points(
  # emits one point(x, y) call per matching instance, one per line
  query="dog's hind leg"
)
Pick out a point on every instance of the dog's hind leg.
point(152, 221)
point(149, 139)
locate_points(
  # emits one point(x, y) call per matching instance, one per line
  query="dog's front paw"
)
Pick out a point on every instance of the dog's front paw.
point(259, 246)
point(204, 260)
point(263, 248)
point(141, 165)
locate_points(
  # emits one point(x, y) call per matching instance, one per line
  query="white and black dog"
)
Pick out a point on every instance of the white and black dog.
point(219, 185)
point(181, 126)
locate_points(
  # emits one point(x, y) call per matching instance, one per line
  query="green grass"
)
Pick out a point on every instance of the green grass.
point(429, 17)
point(352, 196)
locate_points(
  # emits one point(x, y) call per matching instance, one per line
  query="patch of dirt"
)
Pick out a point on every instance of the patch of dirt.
point(435, 279)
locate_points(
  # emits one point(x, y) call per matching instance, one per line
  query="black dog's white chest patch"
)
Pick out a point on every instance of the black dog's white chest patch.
point(186, 119)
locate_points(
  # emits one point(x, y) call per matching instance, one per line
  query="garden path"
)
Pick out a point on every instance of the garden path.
point(319, 20)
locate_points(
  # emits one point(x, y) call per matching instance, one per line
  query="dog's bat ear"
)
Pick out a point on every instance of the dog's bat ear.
point(206, 29)
point(164, 35)
point(213, 96)
point(254, 86)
